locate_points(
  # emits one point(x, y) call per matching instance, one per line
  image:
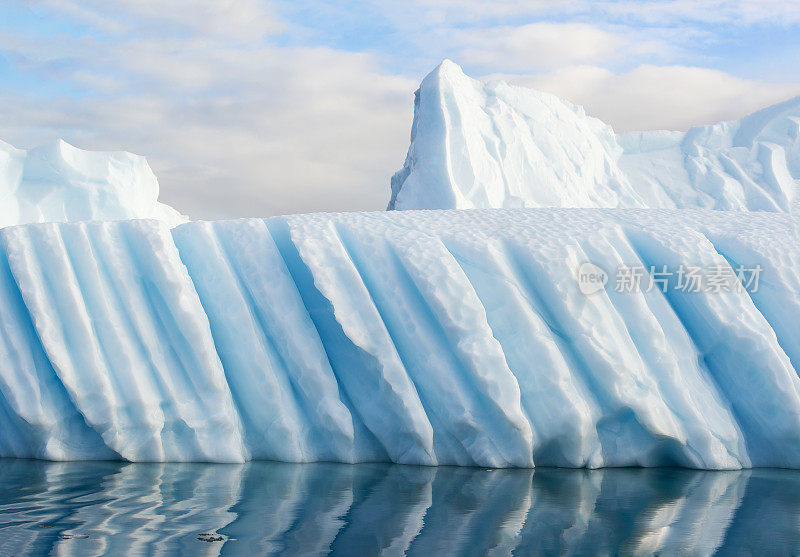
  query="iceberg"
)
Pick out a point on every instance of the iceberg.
point(417, 337)
point(481, 144)
point(593, 309)
point(59, 182)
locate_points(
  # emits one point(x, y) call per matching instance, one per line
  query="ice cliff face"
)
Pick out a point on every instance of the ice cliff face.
point(59, 182)
point(437, 337)
point(493, 145)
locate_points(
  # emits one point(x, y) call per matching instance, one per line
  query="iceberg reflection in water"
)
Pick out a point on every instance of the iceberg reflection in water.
point(261, 508)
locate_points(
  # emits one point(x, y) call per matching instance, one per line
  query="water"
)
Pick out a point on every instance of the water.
point(266, 508)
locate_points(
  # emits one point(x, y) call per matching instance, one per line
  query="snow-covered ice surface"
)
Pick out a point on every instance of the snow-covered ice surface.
point(59, 182)
point(489, 144)
point(425, 337)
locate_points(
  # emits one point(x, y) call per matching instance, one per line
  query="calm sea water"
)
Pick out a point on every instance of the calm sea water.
point(317, 509)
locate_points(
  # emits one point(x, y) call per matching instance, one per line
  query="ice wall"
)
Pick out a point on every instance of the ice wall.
point(434, 337)
point(492, 145)
point(129, 356)
point(59, 182)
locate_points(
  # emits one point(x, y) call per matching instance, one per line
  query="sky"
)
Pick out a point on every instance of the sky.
point(264, 107)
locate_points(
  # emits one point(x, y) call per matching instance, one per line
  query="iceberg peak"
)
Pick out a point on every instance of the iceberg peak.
point(447, 69)
point(488, 144)
point(58, 182)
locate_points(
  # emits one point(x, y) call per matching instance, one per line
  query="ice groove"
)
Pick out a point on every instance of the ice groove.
point(429, 337)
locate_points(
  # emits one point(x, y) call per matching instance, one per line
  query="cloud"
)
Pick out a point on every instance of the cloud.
point(542, 46)
point(536, 45)
point(658, 97)
point(651, 12)
point(739, 13)
point(230, 19)
point(455, 11)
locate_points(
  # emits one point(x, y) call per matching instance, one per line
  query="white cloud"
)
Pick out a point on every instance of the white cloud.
point(730, 12)
point(658, 97)
point(480, 10)
point(652, 12)
point(536, 45)
point(231, 19)
point(542, 46)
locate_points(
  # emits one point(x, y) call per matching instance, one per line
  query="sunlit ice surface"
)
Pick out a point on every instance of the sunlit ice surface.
point(93, 508)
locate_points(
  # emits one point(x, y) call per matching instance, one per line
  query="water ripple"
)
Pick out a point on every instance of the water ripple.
point(112, 508)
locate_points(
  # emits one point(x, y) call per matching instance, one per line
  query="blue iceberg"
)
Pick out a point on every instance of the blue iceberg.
point(419, 337)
